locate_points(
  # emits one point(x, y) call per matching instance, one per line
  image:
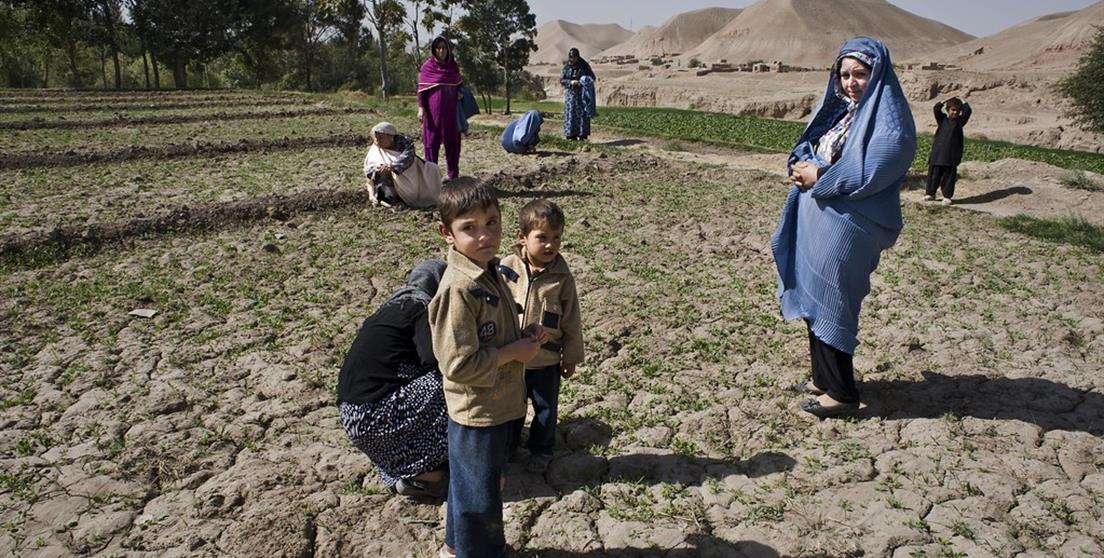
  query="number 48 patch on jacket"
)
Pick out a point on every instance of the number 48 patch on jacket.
point(487, 331)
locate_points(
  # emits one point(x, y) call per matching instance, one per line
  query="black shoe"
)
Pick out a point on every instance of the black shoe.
point(803, 388)
point(813, 407)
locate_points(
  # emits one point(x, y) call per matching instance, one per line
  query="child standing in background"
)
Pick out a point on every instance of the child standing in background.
point(544, 288)
point(481, 350)
point(946, 151)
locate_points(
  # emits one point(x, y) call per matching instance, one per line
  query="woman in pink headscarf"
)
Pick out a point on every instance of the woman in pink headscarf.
point(438, 83)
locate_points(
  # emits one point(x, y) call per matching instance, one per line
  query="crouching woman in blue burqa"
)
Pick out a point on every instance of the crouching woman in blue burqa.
point(389, 391)
point(842, 212)
point(522, 135)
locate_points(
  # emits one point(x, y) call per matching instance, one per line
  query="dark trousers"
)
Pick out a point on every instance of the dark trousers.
point(942, 177)
point(477, 460)
point(542, 386)
point(833, 370)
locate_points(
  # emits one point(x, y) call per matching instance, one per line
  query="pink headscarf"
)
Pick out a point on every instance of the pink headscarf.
point(434, 72)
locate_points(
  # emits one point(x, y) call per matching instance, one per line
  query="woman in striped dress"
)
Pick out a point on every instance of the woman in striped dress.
point(841, 213)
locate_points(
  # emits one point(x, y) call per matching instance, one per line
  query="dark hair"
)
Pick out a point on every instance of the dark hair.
point(540, 212)
point(465, 195)
point(953, 103)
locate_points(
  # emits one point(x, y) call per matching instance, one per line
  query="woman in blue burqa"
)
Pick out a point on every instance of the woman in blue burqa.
point(841, 213)
point(578, 81)
point(389, 391)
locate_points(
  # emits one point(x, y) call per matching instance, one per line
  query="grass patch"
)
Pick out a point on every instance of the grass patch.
point(765, 134)
point(1066, 230)
point(1081, 181)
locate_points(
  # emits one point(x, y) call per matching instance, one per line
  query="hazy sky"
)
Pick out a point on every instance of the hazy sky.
point(977, 17)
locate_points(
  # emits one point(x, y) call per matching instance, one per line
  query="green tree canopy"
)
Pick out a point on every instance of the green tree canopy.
point(1086, 87)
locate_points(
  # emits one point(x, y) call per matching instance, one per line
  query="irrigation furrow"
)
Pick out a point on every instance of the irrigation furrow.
point(176, 119)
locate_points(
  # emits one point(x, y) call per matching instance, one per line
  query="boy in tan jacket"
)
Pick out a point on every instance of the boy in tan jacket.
point(481, 350)
point(544, 289)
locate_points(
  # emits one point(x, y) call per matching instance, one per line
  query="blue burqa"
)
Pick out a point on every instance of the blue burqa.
point(830, 238)
point(523, 134)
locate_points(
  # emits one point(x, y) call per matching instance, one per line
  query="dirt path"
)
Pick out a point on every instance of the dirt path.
point(1002, 188)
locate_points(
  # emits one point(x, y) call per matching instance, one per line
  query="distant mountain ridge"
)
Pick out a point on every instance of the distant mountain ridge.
point(556, 37)
point(678, 34)
point(1052, 41)
point(808, 32)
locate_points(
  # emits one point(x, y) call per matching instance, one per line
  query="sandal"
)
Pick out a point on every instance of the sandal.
point(813, 407)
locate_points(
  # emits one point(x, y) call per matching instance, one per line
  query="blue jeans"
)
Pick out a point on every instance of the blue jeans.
point(477, 460)
point(542, 387)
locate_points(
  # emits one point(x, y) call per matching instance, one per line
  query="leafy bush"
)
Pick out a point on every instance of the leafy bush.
point(1086, 87)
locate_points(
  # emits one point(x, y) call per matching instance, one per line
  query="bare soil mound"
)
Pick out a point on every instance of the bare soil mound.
point(679, 34)
point(807, 33)
point(1052, 41)
point(556, 37)
point(195, 149)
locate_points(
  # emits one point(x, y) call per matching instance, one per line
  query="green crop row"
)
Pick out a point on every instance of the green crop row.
point(765, 134)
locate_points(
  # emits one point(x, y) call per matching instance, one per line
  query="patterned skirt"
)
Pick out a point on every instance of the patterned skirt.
point(406, 433)
point(576, 124)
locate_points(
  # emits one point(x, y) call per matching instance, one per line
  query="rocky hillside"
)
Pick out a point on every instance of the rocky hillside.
point(677, 35)
point(808, 33)
point(556, 37)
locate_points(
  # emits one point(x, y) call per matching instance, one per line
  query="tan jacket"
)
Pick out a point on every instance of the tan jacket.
point(550, 299)
point(472, 315)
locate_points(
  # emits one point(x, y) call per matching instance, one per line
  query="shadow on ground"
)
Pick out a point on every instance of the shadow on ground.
point(995, 195)
point(1049, 405)
point(704, 546)
point(582, 465)
point(537, 193)
point(627, 142)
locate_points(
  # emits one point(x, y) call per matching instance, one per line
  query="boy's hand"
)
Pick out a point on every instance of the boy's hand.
point(526, 347)
point(536, 331)
point(567, 371)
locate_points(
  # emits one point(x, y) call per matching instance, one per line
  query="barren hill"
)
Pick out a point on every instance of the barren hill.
point(677, 35)
point(808, 32)
point(556, 37)
point(1051, 41)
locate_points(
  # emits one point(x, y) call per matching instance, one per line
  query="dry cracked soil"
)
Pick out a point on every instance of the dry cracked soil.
point(211, 428)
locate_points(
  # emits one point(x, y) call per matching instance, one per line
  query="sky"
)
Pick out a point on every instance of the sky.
point(976, 17)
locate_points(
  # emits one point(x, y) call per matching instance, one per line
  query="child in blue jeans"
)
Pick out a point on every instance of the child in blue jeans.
point(544, 289)
point(481, 350)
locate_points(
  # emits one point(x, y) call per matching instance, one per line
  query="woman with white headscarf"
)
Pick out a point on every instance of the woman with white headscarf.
point(396, 175)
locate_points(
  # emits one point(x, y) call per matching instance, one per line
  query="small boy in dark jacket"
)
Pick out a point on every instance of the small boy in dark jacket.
point(946, 151)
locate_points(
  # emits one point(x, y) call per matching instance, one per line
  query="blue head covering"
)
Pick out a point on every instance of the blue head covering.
point(883, 108)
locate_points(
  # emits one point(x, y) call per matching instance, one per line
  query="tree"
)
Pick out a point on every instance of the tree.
point(65, 24)
point(386, 16)
point(260, 32)
point(502, 29)
point(1086, 87)
point(479, 70)
point(109, 14)
point(182, 32)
